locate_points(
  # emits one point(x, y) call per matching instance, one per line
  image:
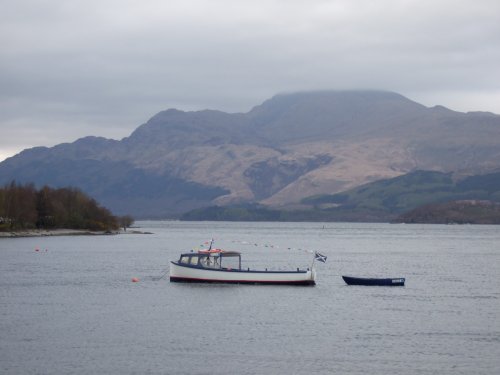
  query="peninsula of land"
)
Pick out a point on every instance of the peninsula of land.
point(64, 232)
point(26, 211)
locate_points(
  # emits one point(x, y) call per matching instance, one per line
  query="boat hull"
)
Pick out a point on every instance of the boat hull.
point(182, 273)
point(399, 281)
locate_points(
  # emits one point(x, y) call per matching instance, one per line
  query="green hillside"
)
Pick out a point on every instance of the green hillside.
point(404, 193)
point(455, 212)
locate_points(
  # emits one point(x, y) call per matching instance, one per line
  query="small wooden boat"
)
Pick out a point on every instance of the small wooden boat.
point(400, 281)
point(220, 266)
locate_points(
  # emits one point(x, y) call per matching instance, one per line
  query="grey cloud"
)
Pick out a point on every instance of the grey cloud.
point(102, 68)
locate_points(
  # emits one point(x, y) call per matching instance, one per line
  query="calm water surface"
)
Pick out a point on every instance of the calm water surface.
point(71, 307)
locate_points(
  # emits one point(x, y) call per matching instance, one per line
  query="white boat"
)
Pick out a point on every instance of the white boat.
point(219, 266)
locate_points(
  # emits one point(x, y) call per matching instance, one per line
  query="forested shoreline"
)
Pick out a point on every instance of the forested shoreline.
point(23, 206)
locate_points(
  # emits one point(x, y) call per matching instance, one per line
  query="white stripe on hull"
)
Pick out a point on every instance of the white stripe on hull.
point(181, 273)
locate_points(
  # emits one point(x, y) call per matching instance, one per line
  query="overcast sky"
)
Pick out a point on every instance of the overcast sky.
point(74, 68)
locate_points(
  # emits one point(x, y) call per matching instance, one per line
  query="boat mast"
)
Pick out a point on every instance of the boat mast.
point(312, 264)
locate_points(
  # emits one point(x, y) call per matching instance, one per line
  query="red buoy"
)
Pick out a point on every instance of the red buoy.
point(135, 279)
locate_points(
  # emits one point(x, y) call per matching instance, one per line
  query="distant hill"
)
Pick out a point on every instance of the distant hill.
point(379, 201)
point(455, 212)
point(290, 147)
point(404, 193)
point(122, 186)
point(262, 213)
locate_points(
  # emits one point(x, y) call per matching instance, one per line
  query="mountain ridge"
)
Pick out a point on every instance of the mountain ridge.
point(289, 147)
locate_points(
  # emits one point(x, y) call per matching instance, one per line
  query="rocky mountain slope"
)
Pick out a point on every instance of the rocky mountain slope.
point(290, 147)
point(392, 199)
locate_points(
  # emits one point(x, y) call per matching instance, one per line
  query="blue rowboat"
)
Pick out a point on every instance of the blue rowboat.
point(399, 281)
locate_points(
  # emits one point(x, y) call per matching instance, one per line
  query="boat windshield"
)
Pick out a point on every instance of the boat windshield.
point(210, 261)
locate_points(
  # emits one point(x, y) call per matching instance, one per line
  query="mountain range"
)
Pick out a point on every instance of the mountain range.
point(289, 148)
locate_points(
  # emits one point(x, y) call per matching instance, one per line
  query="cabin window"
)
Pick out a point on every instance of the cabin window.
point(203, 261)
point(184, 260)
point(194, 260)
point(231, 262)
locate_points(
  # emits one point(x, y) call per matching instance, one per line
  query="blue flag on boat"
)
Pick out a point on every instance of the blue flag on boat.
point(319, 257)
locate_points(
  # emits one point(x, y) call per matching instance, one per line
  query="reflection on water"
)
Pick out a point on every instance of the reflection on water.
point(74, 309)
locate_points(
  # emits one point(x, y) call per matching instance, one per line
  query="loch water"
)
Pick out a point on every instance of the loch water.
point(71, 307)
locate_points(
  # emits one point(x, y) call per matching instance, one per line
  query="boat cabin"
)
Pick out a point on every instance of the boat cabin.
point(213, 259)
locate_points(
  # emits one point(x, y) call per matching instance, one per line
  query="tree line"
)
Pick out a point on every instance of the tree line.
point(26, 207)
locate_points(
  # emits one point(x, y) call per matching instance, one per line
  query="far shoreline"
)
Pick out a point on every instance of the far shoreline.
point(63, 232)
